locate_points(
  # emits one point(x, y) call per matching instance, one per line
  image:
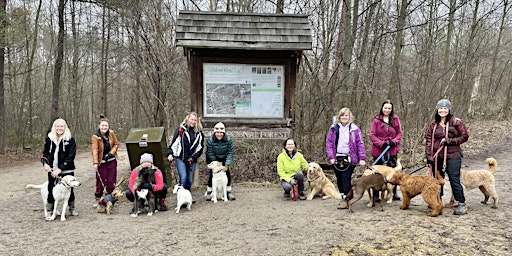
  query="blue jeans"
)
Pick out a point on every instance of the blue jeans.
point(185, 172)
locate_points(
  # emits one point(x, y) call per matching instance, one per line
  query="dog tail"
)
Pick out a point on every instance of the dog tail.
point(398, 166)
point(39, 186)
point(493, 165)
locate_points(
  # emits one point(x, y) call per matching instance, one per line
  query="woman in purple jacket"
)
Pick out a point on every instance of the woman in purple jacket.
point(385, 132)
point(345, 149)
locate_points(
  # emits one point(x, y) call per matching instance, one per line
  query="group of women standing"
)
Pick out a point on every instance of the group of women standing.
point(344, 147)
point(345, 150)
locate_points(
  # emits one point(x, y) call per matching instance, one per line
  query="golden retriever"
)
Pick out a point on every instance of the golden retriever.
point(319, 184)
point(428, 187)
point(482, 179)
point(387, 172)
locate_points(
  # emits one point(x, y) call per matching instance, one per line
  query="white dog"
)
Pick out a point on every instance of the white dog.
point(61, 193)
point(183, 197)
point(219, 180)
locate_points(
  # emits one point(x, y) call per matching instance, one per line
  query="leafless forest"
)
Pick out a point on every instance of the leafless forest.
point(77, 59)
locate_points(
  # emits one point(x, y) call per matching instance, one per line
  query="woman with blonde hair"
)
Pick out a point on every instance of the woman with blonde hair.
point(186, 147)
point(345, 149)
point(58, 159)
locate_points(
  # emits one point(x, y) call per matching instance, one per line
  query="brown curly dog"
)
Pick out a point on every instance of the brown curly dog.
point(428, 187)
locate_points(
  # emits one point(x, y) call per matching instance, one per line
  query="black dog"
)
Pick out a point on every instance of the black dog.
point(144, 197)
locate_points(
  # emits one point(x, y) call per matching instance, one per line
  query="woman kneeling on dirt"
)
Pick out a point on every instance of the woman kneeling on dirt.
point(159, 189)
point(290, 164)
point(219, 147)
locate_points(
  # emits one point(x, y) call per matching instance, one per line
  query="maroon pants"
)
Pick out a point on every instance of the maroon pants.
point(106, 178)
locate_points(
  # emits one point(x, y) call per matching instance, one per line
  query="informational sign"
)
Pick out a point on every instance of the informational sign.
point(243, 90)
point(252, 133)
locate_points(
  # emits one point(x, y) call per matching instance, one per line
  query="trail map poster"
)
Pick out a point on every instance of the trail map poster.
point(243, 90)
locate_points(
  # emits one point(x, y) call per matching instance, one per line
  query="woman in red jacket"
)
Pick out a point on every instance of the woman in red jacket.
point(386, 131)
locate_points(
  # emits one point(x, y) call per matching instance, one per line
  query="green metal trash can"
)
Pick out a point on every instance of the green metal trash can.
point(149, 140)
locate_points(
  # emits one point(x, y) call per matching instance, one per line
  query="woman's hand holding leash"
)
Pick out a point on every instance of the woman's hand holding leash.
point(47, 168)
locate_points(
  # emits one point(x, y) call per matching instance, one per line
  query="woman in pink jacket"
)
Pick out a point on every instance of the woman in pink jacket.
point(159, 188)
point(385, 132)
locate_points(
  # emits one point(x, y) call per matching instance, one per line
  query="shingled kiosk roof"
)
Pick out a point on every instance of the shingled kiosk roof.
point(251, 31)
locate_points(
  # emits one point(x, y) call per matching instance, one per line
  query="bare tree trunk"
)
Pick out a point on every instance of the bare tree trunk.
point(57, 70)
point(395, 86)
point(28, 79)
point(105, 40)
point(3, 25)
point(492, 87)
point(280, 6)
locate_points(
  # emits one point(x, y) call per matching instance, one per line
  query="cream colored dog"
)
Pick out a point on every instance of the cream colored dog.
point(219, 181)
point(319, 184)
point(387, 172)
point(482, 179)
point(61, 193)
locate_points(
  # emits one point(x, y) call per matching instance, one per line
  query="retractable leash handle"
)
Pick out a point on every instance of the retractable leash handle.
point(382, 154)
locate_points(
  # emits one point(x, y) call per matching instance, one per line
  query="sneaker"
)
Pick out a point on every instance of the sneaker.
point(208, 196)
point(377, 200)
point(193, 201)
point(396, 197)
point(287, 196)
point(74, 212)
point(231, 197)
point(302, 196)
point(462, 209)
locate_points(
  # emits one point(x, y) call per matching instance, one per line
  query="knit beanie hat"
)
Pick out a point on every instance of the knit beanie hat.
point(219, 127)
point(146, 157)
point(444, 103)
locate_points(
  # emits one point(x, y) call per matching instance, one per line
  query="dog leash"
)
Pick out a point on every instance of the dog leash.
point(382, 154)
point(101, 180)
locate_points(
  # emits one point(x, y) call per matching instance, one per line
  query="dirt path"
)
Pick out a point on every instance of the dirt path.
point(259, 222)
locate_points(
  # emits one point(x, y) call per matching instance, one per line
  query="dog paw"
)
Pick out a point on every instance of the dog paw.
point(62, 219)
point(150, 214)
point(369, 205)
point(133, 215)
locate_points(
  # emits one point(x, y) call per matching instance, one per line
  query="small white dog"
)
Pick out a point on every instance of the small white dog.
point(183, 197)
point(219, 180)
point(61, 193)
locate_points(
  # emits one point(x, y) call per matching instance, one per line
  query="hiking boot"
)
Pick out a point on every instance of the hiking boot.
point(302, 196)
point(72, 209)
point(231, 197)
point(162, 205)
point(208, 196)
point(343, 205)
point(462, 209)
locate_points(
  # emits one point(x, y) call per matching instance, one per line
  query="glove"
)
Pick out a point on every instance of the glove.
point(385, 145)
point(392, 144)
